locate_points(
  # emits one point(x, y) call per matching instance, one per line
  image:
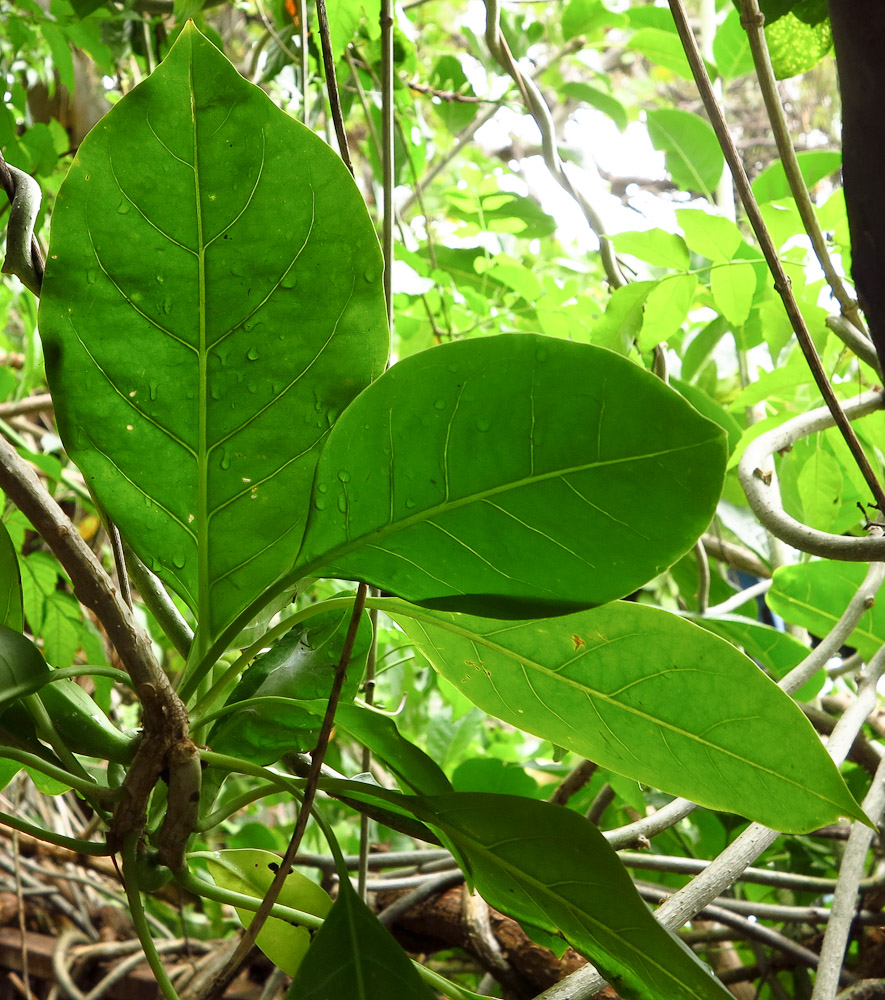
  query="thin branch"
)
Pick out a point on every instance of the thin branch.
point(764, 496)
point(736, 556)
point(753, 22)
point(538, 109)
point(573, 782)
point(769, 250)
point(160, 604)
point(332, 85)
point(851, 870)
point(739, 599)
point(316, 764)
point(30, 404)
point(854, 339)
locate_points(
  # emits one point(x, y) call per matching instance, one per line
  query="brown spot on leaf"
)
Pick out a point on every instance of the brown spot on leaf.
point(578, 641)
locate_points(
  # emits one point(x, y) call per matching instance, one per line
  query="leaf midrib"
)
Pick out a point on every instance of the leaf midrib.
point(328, 558)
point(607, 699)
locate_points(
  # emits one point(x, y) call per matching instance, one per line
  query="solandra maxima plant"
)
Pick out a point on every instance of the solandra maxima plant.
point(215, 337)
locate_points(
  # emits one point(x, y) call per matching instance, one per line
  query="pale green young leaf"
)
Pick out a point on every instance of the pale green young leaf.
point(666, 309)
point(654, 246)
point(733, 286)
point(711, 236)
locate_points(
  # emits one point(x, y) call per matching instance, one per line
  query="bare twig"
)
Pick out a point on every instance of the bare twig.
point(332, 84)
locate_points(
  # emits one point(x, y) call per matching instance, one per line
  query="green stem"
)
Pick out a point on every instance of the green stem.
point(71, 843)
point(83, 785)
point(235, 805)
point(139, 919)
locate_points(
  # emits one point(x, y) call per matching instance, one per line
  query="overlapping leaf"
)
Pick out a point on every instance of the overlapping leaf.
point(514, 475)
point(648, 695)
point(211, 303)
point(552, 868)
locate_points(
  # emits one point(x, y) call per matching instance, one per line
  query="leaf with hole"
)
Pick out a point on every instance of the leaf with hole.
point(182, 225)
point(251, 873)
point(514, 474)
point(647, 694)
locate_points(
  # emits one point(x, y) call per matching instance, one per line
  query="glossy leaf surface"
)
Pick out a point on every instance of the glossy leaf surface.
point(648, 695)
point(299, 667)
point(550, 867)
point(354, 956)
point(251, 872)
point(408, 762)
point(815, 595)
point(194, 225)
point(11, 613)
point(514, 475)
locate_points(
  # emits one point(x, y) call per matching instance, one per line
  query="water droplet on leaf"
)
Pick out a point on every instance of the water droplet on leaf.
point(440, 404)
point(179, 561)
point(253, 354)
point(344, 476)
point(483, 424)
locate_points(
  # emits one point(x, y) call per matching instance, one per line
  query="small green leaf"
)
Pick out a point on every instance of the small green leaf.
point(354, 957)
point(655, 246)
point(649, 695)
point(731, 49)
point(800, 39)
point(814, 165)
point(462, 466)
point(820, 486)
point(815, 595)
point(733, 287)
point(550, 867)
point(711, 236)
point(11, 608)
point(663, 48)
point(618, 328)
point(251, 873)
point(599, 99)
point(666, 309)
point(694, 159)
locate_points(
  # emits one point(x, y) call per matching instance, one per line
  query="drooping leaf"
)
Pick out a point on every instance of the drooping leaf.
point(354, 956)
point(649, 695)
point(251, 872)
point(182, 228)
point(666, 308)
point(694, 159)
point(731, 48)
point(11, 613)
point(514, 474)
point(815, 595)
point(550, 867)
point(299, 667)
point(377, 732)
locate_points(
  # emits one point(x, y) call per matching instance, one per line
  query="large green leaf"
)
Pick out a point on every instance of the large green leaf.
point(648, 695)
point(211, 303)
point(354, 957)
point(551, 868)
point(512, 474)
point(814, 165)
point(815, 595)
